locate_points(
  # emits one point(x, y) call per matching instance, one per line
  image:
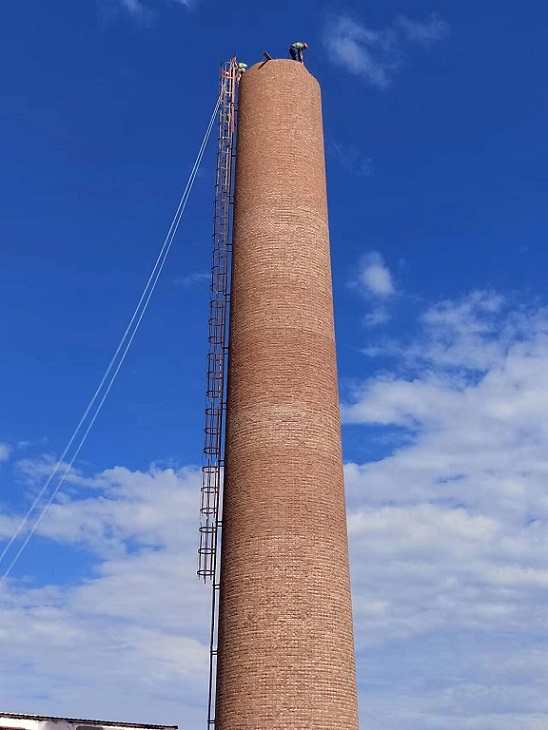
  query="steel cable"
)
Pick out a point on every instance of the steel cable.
point(112, 370)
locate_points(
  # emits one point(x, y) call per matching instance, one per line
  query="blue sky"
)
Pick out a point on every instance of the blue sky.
point(435, 118)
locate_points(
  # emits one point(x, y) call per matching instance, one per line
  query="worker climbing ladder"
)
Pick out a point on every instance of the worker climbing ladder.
point(212, 470)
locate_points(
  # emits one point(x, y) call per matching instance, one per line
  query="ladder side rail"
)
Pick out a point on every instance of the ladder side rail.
point(216, 337)
point(225, 199)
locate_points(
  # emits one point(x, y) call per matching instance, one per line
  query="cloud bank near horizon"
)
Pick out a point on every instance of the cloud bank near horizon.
point(448, 540)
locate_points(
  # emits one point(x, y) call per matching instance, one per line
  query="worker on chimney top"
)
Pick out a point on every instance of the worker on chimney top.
point(297, 50)
point(241, 68)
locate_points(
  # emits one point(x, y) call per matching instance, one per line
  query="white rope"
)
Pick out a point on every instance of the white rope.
point(123, 347)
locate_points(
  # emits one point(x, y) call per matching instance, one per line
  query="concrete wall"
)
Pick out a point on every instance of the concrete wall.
point(286, 655)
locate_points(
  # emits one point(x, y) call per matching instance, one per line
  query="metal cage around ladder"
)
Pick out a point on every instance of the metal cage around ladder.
point(218, 334)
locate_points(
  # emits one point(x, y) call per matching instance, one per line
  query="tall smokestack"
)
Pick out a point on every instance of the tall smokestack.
point(286, 651)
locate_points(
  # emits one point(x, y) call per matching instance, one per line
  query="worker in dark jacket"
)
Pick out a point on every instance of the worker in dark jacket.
point(297, 50)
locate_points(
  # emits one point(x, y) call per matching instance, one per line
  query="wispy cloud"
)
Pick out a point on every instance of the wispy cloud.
point(199, 277)
point(5, 451)
point(378, 316)
point(375, 55)
point(351, 158)
point(143, 8)
point(132, 6)
point(375, 283)
point(433, 28)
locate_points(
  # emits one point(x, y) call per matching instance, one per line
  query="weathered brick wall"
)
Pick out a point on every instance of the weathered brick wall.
point(286, 655)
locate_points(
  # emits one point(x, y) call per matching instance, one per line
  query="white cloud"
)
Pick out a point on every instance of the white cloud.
point(5, 451)
point(447, 524)
point(374, 277)
point(374, 282)
point(364, 52)
point(375, 55)
point(8, 525)
point(128, 639)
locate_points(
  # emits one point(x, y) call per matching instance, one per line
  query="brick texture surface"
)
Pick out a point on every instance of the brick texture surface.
point(286, 650)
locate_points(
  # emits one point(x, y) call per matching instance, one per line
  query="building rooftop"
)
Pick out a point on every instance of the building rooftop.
point(79, 721)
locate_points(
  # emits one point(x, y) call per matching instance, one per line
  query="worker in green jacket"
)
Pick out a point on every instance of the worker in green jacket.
point(296, 51)
point(241, 68)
